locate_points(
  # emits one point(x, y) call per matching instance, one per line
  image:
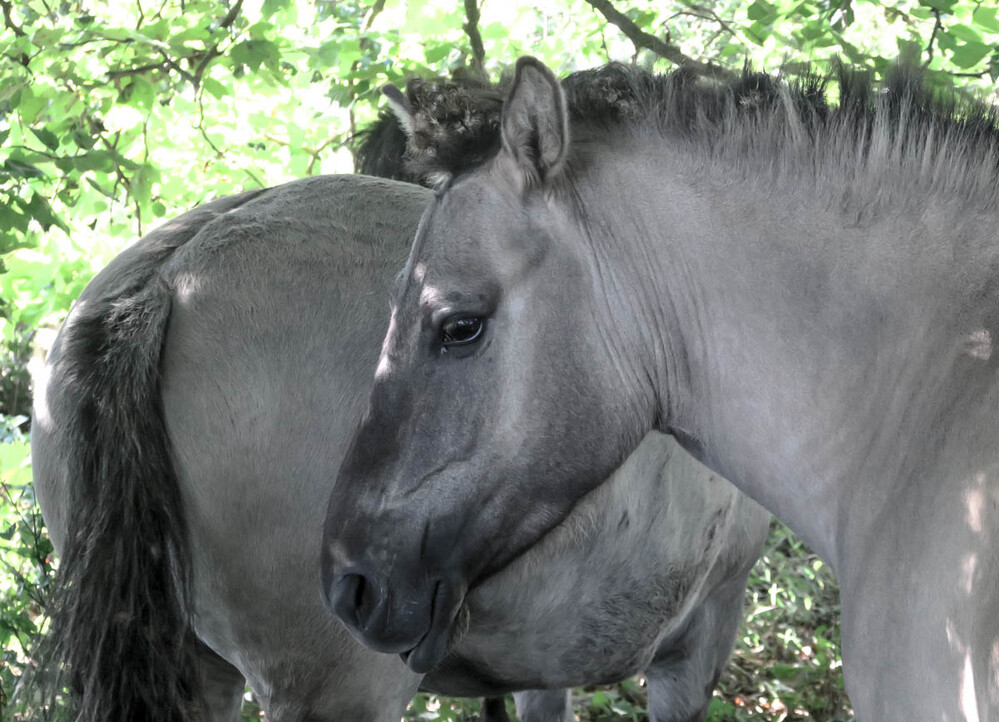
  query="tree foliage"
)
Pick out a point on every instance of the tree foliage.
point(115, 115)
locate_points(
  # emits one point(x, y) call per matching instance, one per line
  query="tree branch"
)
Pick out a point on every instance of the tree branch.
point(231, 16)
point(137, 70)
point(707, 13)
point(471, 28)
point(937, 25)
point(8, 19)
point(209, 56)
point(376, 9)
point(642, 39)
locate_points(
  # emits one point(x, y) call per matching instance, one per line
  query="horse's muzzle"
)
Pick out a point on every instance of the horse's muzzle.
point(415, 625)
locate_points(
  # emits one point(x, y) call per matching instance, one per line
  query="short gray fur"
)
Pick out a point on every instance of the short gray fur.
point(806, 297)
point(276, 309)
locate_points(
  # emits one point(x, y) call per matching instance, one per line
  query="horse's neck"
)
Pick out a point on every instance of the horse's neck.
point(816, 351)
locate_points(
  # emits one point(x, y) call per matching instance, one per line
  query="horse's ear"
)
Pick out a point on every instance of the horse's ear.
point(534, 125)
point(402, 109)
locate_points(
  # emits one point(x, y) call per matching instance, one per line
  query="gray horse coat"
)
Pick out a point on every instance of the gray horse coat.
point(250, 326)
point(806, 297)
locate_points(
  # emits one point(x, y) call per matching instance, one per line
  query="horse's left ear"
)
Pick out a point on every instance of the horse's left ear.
point(402, 109)
point(534, 123)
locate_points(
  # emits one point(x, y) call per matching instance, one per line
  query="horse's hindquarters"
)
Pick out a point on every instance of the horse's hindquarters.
point(268, 356)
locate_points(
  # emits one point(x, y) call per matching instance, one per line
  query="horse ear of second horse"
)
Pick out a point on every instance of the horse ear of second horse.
point(534, 125)
point(402, 109)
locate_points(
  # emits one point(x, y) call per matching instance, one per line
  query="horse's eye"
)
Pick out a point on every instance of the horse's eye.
point(461, 331)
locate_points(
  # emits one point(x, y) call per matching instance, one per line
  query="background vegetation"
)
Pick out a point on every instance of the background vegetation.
point(114, 115)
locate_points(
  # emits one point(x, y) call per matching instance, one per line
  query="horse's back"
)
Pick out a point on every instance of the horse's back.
point(54, 435)
point(271, 345)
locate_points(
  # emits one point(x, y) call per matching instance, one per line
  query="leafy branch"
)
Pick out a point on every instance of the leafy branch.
point(663, 49)
point(8, 19)
point(374, 12)
point(225, 24)
point(203, 58)
point(706, 13)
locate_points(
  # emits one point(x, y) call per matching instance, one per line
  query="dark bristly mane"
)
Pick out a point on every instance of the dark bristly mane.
point(875, 132)
point(456, 126)
point(379, 148)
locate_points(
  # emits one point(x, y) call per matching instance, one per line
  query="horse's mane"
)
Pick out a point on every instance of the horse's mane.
point(379, 149)
point(901, 126)
point(455, 126)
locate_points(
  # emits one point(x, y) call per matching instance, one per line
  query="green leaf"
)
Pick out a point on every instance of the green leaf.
point(964, 32)
point(20, 169)
point(272, 6)
point(985, 17)
point(812, 31)
point(495, 31)
point(946, 41)
point(645, 18)
point(139, 93)
point(100, 189)
point(28, 104)
point(98, 160)
point(254, 53)
point(437, 53)
point(970, 54)
point(327, 52)
point(759, 32)
point(47, 137)
point(762, 12)
point(803, 10)
point(259, 31)
point(11, 219)
point(214, 87)
point(945, 6)
point(42, 212)
point(140, 185)
point(198, 33)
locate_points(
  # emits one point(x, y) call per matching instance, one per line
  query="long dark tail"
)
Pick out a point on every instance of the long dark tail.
point(119, 644)
point(120, 610)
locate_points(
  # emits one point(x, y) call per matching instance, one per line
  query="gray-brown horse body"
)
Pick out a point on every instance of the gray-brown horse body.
point(264, 313)
point(808, 298)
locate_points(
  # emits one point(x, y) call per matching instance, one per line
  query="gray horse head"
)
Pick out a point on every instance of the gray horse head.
point(805, 296)
point(490, 356)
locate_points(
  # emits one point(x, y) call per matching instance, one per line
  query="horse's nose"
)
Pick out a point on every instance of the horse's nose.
point(357, 597)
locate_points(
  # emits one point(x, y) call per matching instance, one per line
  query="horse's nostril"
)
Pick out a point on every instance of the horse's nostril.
point(364, 598)
point(355, 598)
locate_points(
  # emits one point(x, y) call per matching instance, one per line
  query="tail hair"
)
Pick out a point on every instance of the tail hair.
point(121, 608)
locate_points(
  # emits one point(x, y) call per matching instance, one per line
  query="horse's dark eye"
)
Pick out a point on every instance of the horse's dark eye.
point(461, 331)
